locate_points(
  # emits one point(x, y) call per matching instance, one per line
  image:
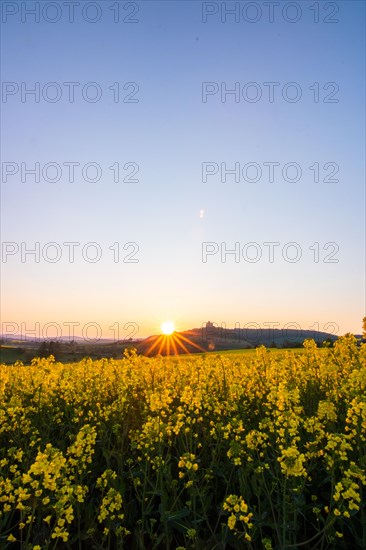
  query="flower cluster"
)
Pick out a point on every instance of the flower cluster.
point(259, 448)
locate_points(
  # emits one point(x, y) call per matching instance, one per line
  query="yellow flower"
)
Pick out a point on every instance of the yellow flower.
point(231, 521)
point(60, 533)
point(191, 533)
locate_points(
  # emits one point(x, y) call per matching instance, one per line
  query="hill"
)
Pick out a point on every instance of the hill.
point(213, 338)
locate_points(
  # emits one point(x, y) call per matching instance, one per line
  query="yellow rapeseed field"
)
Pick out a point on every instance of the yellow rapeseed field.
point(263, 450)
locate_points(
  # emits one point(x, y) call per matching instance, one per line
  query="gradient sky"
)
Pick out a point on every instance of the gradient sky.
point(169, 133)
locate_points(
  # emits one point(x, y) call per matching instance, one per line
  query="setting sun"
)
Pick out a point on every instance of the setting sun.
point(167, 327)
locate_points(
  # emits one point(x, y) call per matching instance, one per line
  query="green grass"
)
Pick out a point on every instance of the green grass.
point(11, 354)
point(234, 352)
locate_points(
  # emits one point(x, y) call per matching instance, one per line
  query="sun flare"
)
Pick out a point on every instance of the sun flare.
point(167, 328)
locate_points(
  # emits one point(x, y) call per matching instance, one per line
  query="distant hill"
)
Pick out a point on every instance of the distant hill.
point(21, 339)
point(203, 339)
point(210, 338)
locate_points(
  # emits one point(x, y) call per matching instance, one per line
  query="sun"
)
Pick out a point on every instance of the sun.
point(172, 342)
point(167, 328)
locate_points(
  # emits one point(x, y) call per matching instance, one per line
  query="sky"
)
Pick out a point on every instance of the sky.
point(160, 136)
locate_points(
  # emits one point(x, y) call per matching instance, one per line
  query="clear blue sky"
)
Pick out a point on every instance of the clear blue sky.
point(169, 133)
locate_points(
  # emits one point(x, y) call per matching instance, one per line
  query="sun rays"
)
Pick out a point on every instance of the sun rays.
point(171, 342)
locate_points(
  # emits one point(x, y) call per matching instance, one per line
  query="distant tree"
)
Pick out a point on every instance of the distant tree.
point(72, 346)
point(42, 350)
point(364, 327)
point(50, 348)
point(55, 349)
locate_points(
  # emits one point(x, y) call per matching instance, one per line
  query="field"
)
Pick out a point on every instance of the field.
point(259, 450)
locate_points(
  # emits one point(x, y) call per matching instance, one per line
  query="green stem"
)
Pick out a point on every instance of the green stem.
point(30, 524)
